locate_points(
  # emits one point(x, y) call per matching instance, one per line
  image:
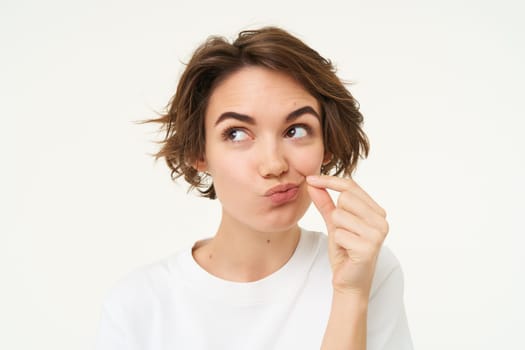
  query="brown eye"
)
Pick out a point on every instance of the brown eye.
point(234, 134)
point(298, 131)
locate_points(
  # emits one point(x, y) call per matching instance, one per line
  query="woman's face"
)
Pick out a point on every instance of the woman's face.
point(263, 130)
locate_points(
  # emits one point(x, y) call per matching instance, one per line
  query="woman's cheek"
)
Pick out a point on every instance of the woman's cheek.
point(235, 169)
point(308, 162)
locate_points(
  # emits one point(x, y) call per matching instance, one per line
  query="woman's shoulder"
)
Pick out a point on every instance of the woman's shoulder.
point(388, 273)
point(387, 262)
point(142, 285)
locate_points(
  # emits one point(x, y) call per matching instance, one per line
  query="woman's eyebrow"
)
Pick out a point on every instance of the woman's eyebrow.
point(249, 120)
point(234, 115)
point(299, 112)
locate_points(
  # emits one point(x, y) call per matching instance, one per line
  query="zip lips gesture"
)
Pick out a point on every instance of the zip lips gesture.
point(356, 227)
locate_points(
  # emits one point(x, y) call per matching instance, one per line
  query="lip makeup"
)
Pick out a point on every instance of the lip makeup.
point(282, 194)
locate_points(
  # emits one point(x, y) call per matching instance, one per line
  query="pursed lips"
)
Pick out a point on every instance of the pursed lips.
point(281, 188)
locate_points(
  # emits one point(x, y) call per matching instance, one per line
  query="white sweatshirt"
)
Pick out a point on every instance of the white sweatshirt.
point(176, 304)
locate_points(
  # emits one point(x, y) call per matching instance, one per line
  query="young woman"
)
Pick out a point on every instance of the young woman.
point(264, 125)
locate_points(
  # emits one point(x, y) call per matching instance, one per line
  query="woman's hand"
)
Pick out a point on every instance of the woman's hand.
point(356, 230)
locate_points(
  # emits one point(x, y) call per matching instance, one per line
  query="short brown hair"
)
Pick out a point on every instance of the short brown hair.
point(276, 49)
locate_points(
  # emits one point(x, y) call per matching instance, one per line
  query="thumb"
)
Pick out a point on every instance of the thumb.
point(324, 203)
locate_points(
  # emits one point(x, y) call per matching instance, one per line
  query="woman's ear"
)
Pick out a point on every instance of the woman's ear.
point(327, 158)
point(200, 165)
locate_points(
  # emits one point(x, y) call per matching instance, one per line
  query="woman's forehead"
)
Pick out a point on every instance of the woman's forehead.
point(253, 90)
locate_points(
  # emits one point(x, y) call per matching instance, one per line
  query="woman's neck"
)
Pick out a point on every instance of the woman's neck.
point(243, 254)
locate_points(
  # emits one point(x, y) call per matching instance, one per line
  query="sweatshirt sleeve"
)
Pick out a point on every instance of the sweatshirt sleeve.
point(123, 313)
point(388, 325)
point(112, 332)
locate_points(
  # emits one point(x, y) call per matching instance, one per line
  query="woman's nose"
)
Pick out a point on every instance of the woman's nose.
point(272, 162)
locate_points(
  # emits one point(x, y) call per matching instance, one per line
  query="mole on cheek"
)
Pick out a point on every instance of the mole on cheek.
point(268, 241)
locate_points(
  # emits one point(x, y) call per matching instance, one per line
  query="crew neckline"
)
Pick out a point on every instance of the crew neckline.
point(274, 287)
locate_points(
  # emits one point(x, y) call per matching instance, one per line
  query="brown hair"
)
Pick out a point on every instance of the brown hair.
point(273, 48)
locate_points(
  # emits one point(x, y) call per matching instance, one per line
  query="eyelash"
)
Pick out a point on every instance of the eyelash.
point(226, 134)
point(307, 128)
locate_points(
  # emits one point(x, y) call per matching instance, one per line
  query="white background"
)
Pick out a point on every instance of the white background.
point(441, 86)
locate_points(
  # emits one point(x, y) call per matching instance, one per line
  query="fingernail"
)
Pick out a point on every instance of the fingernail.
point(312, 178)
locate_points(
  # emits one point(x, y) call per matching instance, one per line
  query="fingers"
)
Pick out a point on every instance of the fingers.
point(323, 202)
point(356, 230)
point(358, 249)
point(345, 185)
point(349, 202)
point(355, 212)
point(355, 225)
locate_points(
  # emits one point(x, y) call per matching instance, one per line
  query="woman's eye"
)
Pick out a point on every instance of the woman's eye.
point(297, 131)
point(235, 135)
